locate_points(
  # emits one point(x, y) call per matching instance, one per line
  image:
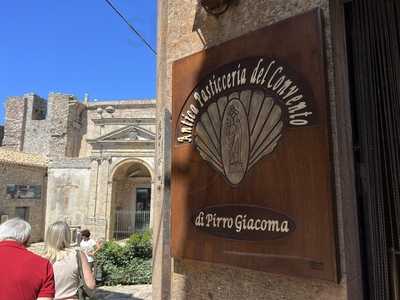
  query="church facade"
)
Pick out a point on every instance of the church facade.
point(100, 159)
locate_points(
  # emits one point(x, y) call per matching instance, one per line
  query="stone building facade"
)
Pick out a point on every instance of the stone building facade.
point(112, 164)
point(100, 159)
point(23, 187)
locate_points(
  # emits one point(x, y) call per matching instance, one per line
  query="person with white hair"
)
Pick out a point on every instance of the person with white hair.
point(23, 274)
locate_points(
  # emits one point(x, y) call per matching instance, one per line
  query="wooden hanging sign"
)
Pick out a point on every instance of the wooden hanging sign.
point(251, 165)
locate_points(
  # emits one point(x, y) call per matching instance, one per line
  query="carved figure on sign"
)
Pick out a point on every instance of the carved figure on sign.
point(237, 130)
point(234, 138)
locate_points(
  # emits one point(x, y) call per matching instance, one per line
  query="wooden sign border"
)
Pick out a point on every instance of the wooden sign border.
point(300, 171)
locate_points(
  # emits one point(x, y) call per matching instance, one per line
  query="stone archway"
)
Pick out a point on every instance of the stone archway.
point(130, 209)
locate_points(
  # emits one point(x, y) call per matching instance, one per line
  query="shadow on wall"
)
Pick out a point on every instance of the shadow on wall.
point(1, 135)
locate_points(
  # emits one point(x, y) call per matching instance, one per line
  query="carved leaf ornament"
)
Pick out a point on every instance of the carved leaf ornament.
point(236, 116)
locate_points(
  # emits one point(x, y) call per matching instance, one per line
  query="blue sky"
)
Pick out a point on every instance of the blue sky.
point(76, 47)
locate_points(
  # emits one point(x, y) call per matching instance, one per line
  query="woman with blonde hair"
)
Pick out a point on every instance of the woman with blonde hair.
point(65, 264)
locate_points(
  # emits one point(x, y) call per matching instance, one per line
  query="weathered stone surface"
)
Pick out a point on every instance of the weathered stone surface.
point(60, 107)
point(195, 280)
point(21, 158)
point(36, 131)
point(15, 123)
point(23, 173)
point(67, 196)
point(106, 117)
point(51, 128)
point(69, 163)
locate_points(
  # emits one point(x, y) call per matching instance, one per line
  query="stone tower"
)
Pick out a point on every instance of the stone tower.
point(65, 121)
point(36, 126)
point(15, 123)
point(26, 125)
point(51, 128)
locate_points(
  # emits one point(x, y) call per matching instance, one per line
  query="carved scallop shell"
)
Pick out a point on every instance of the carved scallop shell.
point(236, 131)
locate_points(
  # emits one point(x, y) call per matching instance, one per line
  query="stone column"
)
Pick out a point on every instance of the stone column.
point(93, 194)
point(161, 257)
point(108, 208)
point(152, 199)
point(100, 213)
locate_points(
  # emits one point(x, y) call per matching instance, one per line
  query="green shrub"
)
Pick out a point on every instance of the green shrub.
point(139, 245)
point(111, 253)
point(126, 264)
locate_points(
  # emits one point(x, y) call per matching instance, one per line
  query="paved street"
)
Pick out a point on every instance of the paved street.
point(132, 292)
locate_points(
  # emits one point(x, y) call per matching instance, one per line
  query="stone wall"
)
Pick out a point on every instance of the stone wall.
point(76, 128)
point(36, 130)
point(185, 28)
point(68, 191)
point(23, 175)
point(80, 192)
point(59, 110)
point(15, 121)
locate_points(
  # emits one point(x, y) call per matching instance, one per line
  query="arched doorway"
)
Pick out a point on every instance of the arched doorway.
point(131, 200)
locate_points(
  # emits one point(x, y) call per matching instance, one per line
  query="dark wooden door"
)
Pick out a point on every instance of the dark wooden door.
point(373, 31)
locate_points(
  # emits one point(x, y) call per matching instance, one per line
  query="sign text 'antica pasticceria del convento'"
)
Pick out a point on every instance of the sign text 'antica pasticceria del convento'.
point(251, 169)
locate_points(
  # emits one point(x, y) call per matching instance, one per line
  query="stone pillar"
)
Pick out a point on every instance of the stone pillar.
point(16, 110)
point(93, 195)
point(152, 199)
point(109, 203)
point(161, 257)
point(101, 216)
